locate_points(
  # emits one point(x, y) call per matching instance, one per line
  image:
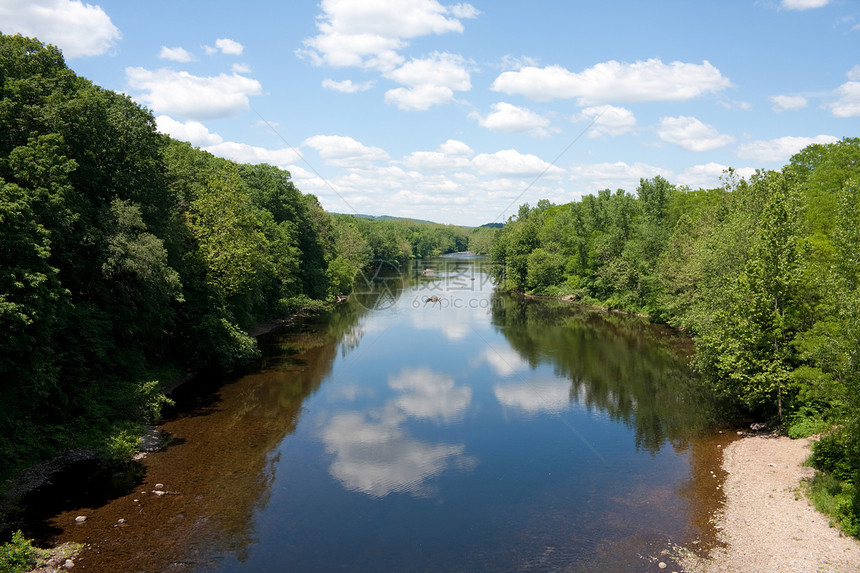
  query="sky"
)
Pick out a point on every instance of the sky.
point(460, 112)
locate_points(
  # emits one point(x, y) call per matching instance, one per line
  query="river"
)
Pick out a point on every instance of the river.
point(429, 423)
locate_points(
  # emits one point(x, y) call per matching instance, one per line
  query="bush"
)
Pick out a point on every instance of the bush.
point(123, 442)
point(17, 555)
point(830, 454)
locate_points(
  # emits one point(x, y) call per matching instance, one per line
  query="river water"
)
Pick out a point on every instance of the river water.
point(427, 424)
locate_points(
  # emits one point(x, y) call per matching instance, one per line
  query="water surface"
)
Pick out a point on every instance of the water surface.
point(428, 424)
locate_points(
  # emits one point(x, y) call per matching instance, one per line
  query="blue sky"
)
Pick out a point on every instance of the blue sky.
point(459, 112)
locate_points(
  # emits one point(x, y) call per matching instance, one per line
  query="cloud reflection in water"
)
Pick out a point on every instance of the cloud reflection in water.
point(375, 455)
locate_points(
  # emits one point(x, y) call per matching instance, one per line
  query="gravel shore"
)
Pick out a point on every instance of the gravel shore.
point(767, 525)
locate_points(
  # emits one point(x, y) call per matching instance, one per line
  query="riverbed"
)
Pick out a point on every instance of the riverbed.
point(429, 423)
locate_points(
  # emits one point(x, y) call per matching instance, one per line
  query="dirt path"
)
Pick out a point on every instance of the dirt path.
point(767, 524)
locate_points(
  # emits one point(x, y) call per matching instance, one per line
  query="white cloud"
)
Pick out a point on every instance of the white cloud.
point(609, 120)
point(508, 118)
point(378, 459)
point(512, 162)
point(707, 176)
point(369, 33)
point(175, 54)
point(429, 394)
point(504, 362)
point(512, 63)
point(452, 154)
point(344, 151)
point(240, 69)
point(244, 153)
point(854, 73)
point(592, 177)
point(781, 149)
point(735, 104)
point(431, 81)
point(229, 47)
point(784, 102)
point(651, 80)
point(76, 28)
point(419, 98)
point(193, 132)
point(803, 4)
point(535, 396)
point(182, 94)
point(346, 86)
point(848, 104)
point(691, 134)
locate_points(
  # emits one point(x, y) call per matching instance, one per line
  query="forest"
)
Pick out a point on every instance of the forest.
point(762, 274)
point(129, 259)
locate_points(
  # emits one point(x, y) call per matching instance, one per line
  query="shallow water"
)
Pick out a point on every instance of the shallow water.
point(470, 431)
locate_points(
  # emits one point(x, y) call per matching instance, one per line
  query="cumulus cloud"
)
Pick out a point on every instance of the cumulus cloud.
point(431, 81)
point(651, 80)
point(803, 4)
point(379, 458)
point(225, 46)
point(244, 153)
point(535, 396)
point(609, 120)
point(848, 104)
point(419, 98)
point(344, 151)
point(592, 177)
point(452, 154)
point(428, 394)
point(369, 33)
point(76, 28)
point(707, 176)
point(175, 54)
point(691, 134)
point(346, 86)
point(512, 162)
point(784, 102)
point(193, 132)
point(508, 118)
point(183, 94)
point(781, 149)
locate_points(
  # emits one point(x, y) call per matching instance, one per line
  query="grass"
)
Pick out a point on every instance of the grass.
point(837, 500)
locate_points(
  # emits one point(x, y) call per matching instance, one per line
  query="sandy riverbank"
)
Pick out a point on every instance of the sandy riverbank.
point(767, 525)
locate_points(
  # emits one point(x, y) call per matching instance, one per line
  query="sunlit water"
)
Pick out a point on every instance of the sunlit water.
point(428, 424)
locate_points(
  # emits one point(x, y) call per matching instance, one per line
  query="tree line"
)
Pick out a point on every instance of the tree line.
point(128, 258)
point(763, 274)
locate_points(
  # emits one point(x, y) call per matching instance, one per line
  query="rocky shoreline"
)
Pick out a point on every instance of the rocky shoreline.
point(767, 525)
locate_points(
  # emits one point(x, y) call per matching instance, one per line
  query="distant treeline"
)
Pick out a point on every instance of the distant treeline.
point(764, 274)
point(127, 258)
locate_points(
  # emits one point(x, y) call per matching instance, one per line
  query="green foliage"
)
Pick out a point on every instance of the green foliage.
point(17, 555)
point(837, 499)
point(123, 442)
point(830, 454)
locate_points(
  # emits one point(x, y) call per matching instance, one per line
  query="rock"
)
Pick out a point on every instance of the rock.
point(662, 565)
point(758, 426)
point(80, 518)
point(120, 521)
point(159, 492)
point(159, 486)
point(68, 564)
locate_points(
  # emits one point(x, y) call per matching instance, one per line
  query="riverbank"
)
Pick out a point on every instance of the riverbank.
point(767, 525)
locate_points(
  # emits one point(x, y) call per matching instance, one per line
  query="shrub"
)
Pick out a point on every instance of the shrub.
point(17, 555)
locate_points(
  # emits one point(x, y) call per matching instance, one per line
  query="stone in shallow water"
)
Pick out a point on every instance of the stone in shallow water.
point(81, 518)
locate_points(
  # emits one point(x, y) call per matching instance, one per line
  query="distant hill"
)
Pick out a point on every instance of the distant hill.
point(493, 225)
point(391, 218)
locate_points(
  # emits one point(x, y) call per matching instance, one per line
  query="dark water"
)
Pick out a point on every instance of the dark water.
point(476, 432)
